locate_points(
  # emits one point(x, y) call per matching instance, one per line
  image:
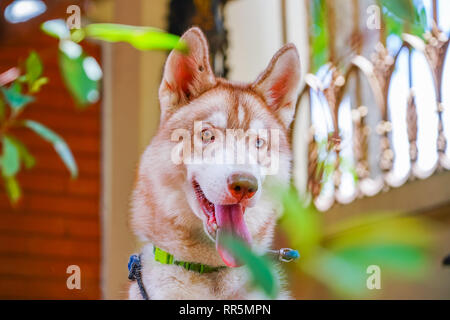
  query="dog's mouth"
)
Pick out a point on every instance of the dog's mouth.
point(223, 220)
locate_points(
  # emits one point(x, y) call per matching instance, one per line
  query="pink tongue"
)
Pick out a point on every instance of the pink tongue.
point(230, 220)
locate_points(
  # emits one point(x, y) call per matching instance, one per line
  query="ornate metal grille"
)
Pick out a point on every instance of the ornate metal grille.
point(335, 90)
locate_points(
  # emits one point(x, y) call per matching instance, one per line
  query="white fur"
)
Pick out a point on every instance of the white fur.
point(165, 210)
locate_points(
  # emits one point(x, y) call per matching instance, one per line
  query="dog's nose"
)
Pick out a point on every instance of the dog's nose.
point(242, 186)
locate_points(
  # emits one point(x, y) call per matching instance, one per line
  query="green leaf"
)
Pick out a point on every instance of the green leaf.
point(421, 22)
point(300, 222)
point(319, 35)
point(28, 160)
point(15, 98)
point(77, 35)
point(402, 9)
point(56, 28)
point(2, 109)
point(343, 277)
point(59, 144)
point(379, 229)
point(36, 86)
point(81, 74)
point(397, 244)
point(404, 16)
point(34, 68)
point(10, 158)
point(403, 260)
point(345, 271)
point(142, 38)
point(259, 267)
point(12, 189)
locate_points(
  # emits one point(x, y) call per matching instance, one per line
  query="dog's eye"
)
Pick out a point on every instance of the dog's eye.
point(207, 135)
point(260, 143)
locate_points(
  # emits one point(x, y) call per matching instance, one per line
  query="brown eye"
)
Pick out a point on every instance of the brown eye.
point(260, 143)
point(207, 136)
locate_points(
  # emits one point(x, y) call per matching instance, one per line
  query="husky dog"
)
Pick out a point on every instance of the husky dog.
point(184, 207)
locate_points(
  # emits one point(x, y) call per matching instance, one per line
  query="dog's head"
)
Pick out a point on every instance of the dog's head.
point(219, 144)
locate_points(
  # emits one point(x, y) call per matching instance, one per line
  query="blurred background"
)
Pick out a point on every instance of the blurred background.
point(370, 138)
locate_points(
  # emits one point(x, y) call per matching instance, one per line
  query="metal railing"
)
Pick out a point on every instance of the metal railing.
point(377, 71)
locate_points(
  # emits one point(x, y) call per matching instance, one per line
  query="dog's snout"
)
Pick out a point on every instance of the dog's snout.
point(242, 186)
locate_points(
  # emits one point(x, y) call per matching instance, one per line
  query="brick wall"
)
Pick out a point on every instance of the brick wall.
point(56, 224)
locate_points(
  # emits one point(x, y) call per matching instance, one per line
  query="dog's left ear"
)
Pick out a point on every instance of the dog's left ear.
point(186, 76)
point(279, 83)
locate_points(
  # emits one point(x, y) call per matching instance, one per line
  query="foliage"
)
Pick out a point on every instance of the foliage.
point(319, 35)
point(339, 257)
point(14, 154)
point(82, 73)
point(404, 16)
point(260, 268)
point(142, 38)
point(399, 16)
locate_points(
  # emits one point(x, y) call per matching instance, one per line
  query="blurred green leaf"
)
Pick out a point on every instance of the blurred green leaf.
point(10, 158)
point(344, 278)
point(15, 98)
point(28, 160)
point(12, 189)
point(56, 28)
point(319, 35)
point(345, 271)
point(36, 86)
point(59, 144)
point(403, 9)
point(2, 109)
point(81, 74)
point(421, 22)
point(142, 38)
point(395, 243)
point(33, 68)
point(77, 35)
point(339, 255)
point(259, 267)
point(404, 16)
point(399, 259)
point(301, 223)
point(377, 229)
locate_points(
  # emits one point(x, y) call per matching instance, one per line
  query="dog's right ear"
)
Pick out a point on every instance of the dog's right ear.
point(186, 76)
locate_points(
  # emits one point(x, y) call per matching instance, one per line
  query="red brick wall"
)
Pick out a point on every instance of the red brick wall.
point(56, 224)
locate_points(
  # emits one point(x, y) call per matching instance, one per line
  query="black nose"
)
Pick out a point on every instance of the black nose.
point(242, 185)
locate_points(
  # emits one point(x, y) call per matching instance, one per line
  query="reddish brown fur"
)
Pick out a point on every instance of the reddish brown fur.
point(163, 212)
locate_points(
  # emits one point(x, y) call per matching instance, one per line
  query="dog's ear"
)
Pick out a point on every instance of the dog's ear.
point(186, 76)
point(279, 83)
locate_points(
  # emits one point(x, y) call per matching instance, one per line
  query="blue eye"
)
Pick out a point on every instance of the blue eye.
point(260, 143)
point(207, 135)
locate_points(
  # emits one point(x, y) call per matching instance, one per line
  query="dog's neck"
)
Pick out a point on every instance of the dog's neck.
point(165, 257)
point(168, 281)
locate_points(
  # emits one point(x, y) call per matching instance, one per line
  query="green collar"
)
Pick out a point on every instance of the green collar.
point(166, 258)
